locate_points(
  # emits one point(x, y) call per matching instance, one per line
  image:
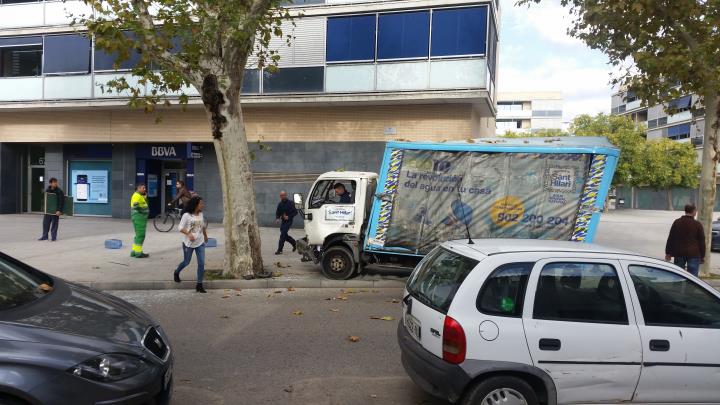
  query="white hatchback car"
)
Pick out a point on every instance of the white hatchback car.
point(548, 322)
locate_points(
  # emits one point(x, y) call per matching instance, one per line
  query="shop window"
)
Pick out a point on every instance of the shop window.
point(106, 61)
point(403, 35)
point(459, 31)
point(67, 54)
point(351, 38)
point(294, 80)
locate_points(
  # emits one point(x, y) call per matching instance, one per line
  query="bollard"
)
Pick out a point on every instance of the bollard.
point(113, 243)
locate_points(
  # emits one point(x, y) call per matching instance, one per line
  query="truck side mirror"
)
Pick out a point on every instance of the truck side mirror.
point(298, 200)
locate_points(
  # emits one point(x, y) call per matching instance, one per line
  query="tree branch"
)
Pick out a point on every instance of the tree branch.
point(150, 44)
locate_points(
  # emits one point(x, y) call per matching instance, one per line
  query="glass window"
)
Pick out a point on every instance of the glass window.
point(351, 38)
point(681, 131)
point(503, 293)
point(20, 284)
point(324, 192)
point(669, 299)
point(294, 80)
point(438, 279)
point(106, 61)
point(460, 31)
point(21, 61)
point(403, 35)
point(580, 292)
point(251, 81)
point(67, 54)
point(679, 105)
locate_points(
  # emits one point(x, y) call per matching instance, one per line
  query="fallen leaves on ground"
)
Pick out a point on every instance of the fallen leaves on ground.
point(297, 313)
point(281, 265)
point(373, 396)
point(339, 297)
point(226, 296)
point(291, 289)
point(354, 339)
point(277, 291)
point(288, 389)
point(393, 301)
point(224, 316)
point(238, 289)
point(383, 318)
point(334, 310)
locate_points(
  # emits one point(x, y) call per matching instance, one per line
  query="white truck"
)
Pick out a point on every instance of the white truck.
point(427, 193)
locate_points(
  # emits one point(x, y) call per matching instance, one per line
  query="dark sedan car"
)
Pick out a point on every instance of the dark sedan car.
point(716, 236)
point(61, 343)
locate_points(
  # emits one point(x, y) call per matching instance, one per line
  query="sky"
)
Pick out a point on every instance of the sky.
point(536, 54)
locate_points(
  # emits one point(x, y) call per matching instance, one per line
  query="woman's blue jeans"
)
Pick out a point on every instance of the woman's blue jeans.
point(187, 257)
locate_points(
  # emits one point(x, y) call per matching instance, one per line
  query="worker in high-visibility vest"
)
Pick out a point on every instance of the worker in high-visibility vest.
point(139, 215)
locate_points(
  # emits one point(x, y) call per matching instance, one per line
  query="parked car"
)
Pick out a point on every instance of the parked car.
point(715, 246)
point(61, 343)
point(549, 322)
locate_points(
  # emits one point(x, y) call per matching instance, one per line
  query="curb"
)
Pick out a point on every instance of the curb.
point(241, 284)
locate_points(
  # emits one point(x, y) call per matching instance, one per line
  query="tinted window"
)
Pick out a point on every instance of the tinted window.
point(20, 61)
point(403, 35)
point(67, 53)
point(19, 285)
point(106, 61)
point(437, 280)
point(504, 291)
point(668, 299)
point(294, 80)
point(351, 38)
point(251, 81)
point(460, 31)
point(580, 292)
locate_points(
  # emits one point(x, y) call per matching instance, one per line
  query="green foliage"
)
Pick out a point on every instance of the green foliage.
point(669, 164)
point(180, 42)
point(542, 133)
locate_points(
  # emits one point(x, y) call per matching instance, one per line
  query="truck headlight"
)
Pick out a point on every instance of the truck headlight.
point(109, 367)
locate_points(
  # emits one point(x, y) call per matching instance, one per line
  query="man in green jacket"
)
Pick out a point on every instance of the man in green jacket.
point(139, 215)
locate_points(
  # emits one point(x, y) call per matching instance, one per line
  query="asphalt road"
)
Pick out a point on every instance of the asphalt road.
point(283, 347)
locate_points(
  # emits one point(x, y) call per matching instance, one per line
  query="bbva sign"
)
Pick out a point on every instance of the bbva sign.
point(163, 151)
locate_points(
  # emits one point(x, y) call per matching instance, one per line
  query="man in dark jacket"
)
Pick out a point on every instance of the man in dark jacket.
point(183, 195)
point(51, 221)
point(686, 242)
point(284, 215)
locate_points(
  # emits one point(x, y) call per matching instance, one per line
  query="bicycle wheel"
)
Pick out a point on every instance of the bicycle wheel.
point(164, 223)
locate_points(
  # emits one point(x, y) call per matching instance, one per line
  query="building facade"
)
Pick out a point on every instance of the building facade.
point(355, 75)
point(526, 112)
point(679, 125)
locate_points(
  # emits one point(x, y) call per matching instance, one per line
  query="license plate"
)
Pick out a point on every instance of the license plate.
point(412, 325)
point(167, 378)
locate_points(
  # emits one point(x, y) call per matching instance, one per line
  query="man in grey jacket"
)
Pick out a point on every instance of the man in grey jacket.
point(51, 221)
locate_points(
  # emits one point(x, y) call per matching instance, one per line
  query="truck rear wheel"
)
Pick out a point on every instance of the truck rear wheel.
point(338, 263)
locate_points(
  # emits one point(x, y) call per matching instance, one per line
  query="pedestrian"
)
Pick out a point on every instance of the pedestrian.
point(193, 227)
point(182, 195)
point(139, 212)
point(284, 215)
point(51, 221)
point(686, 242)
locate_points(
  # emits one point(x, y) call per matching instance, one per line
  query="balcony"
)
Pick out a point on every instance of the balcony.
point(679, 117)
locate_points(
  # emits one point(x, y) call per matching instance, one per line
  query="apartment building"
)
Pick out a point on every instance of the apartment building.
point(356, 75)
point(526, 112)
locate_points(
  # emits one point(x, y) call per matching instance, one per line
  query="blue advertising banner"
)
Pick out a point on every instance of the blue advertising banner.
point(89, 186)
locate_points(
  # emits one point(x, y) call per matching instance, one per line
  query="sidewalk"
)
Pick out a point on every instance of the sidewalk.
point(79, 254)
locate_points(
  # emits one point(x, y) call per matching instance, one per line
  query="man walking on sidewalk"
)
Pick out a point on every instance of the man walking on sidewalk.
point(284, 215)
point(686, 242)
point(139, 212)
point(51, 221)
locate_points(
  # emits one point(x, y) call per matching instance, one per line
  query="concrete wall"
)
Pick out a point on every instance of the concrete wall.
point(289, 166)
point(54, 163)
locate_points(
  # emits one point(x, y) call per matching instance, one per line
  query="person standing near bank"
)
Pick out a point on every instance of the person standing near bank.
point(52, 221)
point(194, 228)
point(139, 212)
point(686, 242)
point(284, 215)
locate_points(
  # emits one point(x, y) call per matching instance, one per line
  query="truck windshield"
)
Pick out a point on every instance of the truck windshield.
point(438, 278)
point(20, 285)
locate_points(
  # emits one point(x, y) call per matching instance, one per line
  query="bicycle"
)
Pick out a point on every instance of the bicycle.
point(166, 222)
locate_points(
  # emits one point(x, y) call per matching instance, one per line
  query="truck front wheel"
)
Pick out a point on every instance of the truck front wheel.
point(338, 263)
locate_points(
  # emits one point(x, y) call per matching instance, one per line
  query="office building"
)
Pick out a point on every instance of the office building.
point(527, 112)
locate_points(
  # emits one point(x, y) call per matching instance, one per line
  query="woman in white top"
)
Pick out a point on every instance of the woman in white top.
point(193, 227)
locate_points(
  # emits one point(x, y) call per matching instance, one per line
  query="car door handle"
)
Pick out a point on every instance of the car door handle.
point(659, 345)
point(552, 345)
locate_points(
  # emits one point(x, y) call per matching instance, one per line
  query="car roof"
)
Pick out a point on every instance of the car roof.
point(490, 247)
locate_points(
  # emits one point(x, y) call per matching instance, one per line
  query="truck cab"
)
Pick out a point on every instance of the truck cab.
point(335, 224)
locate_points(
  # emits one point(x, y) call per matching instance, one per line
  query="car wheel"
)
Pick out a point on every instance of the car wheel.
point(501, 390)
point(338, 263)
point(8, 400)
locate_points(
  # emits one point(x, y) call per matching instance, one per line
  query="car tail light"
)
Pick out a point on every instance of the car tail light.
point(454, 345)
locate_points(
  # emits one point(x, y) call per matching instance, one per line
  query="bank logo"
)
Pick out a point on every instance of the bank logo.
point(163, 151)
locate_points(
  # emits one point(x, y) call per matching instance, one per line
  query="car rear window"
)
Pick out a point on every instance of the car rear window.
point(20, 285)
point(438, 278)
